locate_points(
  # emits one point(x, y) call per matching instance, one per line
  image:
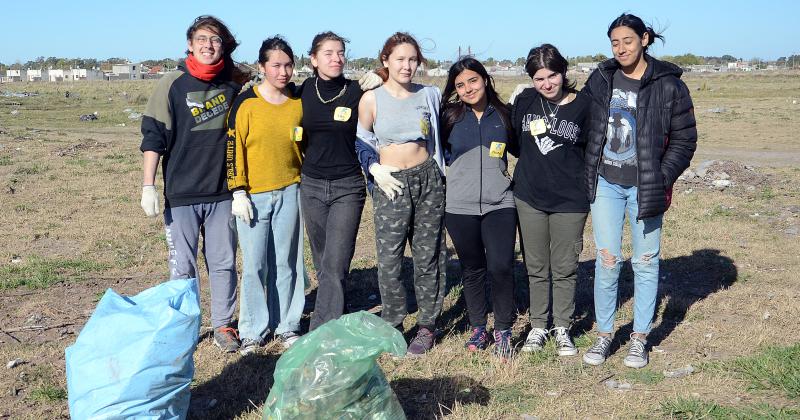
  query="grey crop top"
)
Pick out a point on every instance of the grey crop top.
point(399, 121)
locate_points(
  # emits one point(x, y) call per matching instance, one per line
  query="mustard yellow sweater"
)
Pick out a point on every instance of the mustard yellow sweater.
point(264, 143)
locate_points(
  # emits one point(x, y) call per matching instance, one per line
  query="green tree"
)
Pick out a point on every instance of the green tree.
point(490, 62)
point(520, 61)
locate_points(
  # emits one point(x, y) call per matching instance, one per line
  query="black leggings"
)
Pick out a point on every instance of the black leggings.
point(486, 243)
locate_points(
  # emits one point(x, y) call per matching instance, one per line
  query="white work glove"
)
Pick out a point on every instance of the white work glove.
point(150, 200)
point(241, 206)
point(517, 91)
point(369, 81)
point(384, 179)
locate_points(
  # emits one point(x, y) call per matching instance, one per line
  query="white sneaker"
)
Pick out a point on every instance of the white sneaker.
point(535, 341)
point(288, 338)
point(598, 353)
point(564, 344)
point(637, 353)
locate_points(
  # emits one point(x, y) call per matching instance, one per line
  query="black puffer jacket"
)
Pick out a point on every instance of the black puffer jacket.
point(666, 131)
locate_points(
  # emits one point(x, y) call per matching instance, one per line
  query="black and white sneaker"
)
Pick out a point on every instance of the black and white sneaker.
point(535, 341)
point(598, 353)
point(637, 353)
point(564, 344)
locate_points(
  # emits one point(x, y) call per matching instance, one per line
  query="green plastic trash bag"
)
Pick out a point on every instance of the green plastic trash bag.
point(331, 373)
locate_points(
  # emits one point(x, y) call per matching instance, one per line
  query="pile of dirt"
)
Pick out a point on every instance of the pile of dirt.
point(721, 175)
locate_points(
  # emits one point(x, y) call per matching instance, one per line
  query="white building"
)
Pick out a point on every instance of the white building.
point(56, 75)
point(34, 75)
point(86, 74)
point(16, 75)
point(586, 67)
point(129, 71)
point(437, 72)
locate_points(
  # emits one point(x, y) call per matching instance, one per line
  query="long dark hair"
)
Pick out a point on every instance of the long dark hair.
point(637, 25)
point(546, 56)
point(452, 107)
point(229, 44)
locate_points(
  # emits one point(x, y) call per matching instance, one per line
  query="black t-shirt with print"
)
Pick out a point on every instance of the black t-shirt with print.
point(619, 164)
point(550, 170)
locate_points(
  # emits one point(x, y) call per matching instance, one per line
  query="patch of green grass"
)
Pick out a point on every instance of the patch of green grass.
point(35, 169)
point(82, 162)
point(115, 156)
point(692, 408)
point(513, 395)
point(776, 368)
point(48, 393)
point(720, 211)
point(40, 273)
point(5, 160)
point(767, 193)
point(24, 208)
point(643, 376)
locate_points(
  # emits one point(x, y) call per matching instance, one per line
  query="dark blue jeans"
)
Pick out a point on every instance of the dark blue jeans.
point(332, 213)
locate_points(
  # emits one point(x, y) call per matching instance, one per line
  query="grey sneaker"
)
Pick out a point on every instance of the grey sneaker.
point(249, 346)
point(421, 343)
point(226, 339)
point(598, 353)
point(288, 338)
point(564, 344)
point(637, 353)
point(535, 340)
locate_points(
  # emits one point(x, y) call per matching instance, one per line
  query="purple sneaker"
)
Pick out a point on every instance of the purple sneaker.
point(479, 339)
point(503, 349)
point(421, 343)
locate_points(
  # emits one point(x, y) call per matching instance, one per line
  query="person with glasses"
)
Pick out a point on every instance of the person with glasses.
point(184, 128)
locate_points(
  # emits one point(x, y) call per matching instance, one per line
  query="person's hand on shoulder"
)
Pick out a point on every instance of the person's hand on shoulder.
point(517, 90)
point(370, 80)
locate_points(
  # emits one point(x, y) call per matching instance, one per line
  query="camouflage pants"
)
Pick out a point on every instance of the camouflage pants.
point(417, 216)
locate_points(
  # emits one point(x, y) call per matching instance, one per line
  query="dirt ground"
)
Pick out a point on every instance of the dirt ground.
point(71, 227)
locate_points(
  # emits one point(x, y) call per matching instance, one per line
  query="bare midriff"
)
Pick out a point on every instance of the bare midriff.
point(403, 156)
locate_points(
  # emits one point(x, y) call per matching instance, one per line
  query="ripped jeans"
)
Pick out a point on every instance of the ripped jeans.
point(611, 204)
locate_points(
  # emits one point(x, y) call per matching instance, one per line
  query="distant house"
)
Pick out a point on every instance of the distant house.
point(56, 75)
point(702, 68)
point(16, 75)
point(437, 72)
point(86, 74)
point(740, 66)
point(512, 71)
point(586, 67)
point(34, 75)
point(304, 71)
point(128, 71)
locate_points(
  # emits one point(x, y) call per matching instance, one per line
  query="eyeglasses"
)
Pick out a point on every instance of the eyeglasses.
point(203, 40)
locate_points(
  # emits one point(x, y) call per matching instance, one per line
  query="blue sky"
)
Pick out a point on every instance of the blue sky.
point(146, 29)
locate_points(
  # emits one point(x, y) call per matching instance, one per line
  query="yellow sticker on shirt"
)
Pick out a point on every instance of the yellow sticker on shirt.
point(496, 149)
point(425, 126)
point(538, 127)
point(297, 134)
point(342, 113)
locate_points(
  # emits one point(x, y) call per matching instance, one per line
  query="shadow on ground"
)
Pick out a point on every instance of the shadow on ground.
point(240, 387)
point(432, 398)
point(683, 282)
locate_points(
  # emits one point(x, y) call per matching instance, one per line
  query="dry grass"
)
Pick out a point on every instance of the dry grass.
point(70, 213)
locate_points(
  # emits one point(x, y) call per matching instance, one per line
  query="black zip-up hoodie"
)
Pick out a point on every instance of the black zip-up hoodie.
point(666, 131)
point(479, 183)
point(185, 124)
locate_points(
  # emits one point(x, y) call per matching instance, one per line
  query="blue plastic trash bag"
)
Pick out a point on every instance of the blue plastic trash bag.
point(331, 373)
point(133, 359)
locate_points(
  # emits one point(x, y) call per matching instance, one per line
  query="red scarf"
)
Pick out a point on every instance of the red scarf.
point(203, 71)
